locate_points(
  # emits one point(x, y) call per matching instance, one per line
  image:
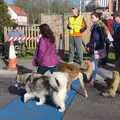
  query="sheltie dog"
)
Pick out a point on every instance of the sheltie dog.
point(76, 73)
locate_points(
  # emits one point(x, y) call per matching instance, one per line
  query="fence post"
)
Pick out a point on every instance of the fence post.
point(5, 34)
point(40, 18)
point(63, 36)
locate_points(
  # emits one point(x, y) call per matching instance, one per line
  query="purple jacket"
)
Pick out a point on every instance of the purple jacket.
point(45, 53)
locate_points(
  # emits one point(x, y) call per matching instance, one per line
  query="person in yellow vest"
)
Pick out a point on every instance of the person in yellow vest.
point(76, 26)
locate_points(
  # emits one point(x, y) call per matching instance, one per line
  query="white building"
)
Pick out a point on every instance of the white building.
point(18, 15)
point(102, 3)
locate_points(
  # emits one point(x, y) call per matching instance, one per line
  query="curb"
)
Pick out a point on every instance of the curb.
point(8, 72)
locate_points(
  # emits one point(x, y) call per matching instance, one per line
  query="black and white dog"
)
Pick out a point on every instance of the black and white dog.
point(37, 85)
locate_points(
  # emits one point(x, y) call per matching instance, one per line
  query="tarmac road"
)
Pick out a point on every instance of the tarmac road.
point(6, 82)
point(94, 108)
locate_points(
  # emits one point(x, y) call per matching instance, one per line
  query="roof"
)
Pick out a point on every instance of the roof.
point(18, 10)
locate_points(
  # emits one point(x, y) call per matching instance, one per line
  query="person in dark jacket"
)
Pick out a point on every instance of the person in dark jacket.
point(112, 89)
point(107, 19)
point(117, 34)
point(96, 43)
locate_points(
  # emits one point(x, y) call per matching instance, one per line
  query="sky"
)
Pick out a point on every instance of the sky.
point(9, 1)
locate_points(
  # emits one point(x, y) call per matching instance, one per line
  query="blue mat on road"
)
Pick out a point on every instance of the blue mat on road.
point(17, 110)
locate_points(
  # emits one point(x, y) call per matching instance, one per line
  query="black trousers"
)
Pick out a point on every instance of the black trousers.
point(117, 49)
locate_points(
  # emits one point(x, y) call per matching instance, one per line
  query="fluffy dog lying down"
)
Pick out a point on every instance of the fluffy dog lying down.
point(39, 86)
point(76, 73)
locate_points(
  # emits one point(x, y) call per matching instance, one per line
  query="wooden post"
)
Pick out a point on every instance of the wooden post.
point(118, 5)
point(110, 6)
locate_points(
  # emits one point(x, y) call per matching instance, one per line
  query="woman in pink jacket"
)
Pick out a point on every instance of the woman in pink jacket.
point(45, 55)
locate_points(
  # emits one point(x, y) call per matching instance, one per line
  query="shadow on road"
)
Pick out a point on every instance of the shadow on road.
point(14, 90)
point(19, 91)
point(100, 87)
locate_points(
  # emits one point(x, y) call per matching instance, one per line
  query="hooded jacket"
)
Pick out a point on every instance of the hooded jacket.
point(45, 53)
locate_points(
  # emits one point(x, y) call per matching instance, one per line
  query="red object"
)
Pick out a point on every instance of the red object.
point(110, 25)
point(18, 10)
point(12, 56)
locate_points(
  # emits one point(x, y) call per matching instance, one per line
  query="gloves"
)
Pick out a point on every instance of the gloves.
point(68, 27)
point(82, 29)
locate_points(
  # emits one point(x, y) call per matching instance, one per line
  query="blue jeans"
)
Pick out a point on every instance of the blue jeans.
point(76, 44)
point(96, 70)
point(43, 69)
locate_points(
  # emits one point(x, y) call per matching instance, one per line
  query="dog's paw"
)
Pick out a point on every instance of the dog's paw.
point(39, 103)
point(26, 97)
point(61, 109)
point(86, 95)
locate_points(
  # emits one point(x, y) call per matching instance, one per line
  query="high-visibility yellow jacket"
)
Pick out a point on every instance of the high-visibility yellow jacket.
point(75, 24)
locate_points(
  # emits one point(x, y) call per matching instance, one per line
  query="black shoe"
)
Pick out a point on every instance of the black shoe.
point(109, 81)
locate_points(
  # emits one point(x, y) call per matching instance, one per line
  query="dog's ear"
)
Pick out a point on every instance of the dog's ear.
point(48, 73)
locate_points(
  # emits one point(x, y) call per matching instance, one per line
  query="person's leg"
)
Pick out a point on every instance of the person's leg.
point(104, 60)
point(94, 63)
point(72, 49)
point(98, 71)
point(79, 48)
point(104, 76)
point(93, 75)
point(54, 69)
point(42, 69)
point(117, 51)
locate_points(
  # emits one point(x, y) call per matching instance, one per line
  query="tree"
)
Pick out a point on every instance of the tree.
point(35, 7)
point(5, 19)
